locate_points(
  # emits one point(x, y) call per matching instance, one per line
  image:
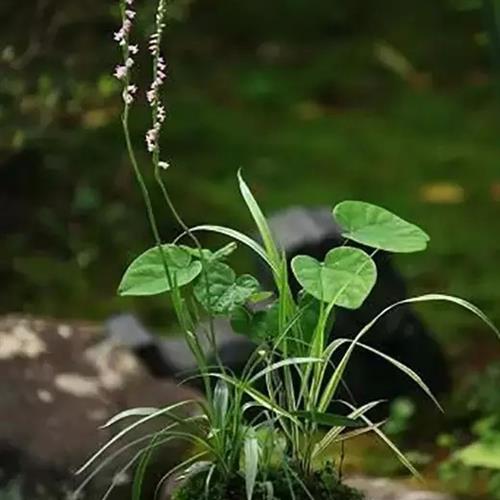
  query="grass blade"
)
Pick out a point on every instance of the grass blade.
point(260, 221)
point(167, 411)
point(331, 436)
point(399, 454)
point(337, 375)
point(281, 364)
point(235, 235)
point(133, 412)
point(251, 460)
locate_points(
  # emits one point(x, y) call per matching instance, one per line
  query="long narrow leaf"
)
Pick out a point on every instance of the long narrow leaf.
point(358, 432)
point(256, 395)
point(112, 457)
point(327, 419)
point(332, 385)
point(281, 364)
point(398, 364)
point(330, 437)
point(399, 454)
point(260, 221)
point(142, 466)
point(236, 235)
point(183, 465)
point(133, 412)
point(405, 369)
point(164, 411)
point(251, 460)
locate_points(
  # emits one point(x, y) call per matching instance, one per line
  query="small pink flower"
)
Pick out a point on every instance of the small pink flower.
point(120, 72)
point(127, 26)
point(163, 164)
point(128, 98)
point(161, 64)
point(133, 49)
point(130, 13)
point(162, 114)
point(151, 138)
point(151, 96)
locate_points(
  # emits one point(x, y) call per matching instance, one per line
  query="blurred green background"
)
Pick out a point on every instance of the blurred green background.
point(393, 102)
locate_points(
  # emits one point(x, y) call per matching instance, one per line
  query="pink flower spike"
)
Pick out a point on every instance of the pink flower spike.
point(120, 72)
point(151, 96)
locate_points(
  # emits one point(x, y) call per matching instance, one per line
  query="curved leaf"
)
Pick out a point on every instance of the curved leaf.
point(260, 221)
point(341, 366)
point(251, 461)
point(259, 325)
point(327, 419)
point(219, 291)
point(235, 235)
point(378, 228)
point(146, 275)
point(345, 278)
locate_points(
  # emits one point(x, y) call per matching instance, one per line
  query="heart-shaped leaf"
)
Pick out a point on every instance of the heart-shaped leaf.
point(219, 291)
point(146, 274)
point(259, 326)
point(378, 228)
point(345, 278)
point(310, 308)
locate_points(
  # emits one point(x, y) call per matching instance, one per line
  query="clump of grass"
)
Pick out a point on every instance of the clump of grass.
point(257, 435)
point(280, 484)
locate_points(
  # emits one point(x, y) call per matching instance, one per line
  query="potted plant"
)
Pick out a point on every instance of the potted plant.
point(262, 434)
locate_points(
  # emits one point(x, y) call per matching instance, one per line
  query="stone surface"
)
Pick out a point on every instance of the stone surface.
point(386, 489)
point(58, 383)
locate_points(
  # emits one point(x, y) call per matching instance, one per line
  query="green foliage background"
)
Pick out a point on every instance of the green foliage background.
point(394, 102)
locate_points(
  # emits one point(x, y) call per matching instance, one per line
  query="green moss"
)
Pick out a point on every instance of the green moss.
point(321, 485)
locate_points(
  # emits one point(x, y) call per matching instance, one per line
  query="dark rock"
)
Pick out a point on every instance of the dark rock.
point(59, 383)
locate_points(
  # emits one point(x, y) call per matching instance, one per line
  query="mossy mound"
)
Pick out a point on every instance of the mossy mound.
point(281, 484)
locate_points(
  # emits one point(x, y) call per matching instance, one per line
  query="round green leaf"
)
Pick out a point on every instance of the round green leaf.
point(345, 278)
point(225, 291)
point(259, 326)
point(378, 228)
point(146, 275)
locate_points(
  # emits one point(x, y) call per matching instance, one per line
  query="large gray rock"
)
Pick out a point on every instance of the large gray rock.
point(58, 383)
point(387, 489)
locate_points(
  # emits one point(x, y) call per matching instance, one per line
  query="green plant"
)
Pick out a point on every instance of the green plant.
point(478, 460)
point(12, 491)
point(243, 433)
